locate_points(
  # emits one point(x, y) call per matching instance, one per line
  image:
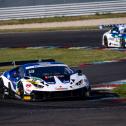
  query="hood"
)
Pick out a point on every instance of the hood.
point(51, 79)
point(48, 79)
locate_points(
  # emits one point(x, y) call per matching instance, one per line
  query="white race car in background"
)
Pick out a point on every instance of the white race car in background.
point(44, 80)
point(116, 37)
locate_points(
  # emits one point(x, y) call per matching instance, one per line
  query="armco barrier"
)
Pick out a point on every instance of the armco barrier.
point(24, 62)
point(73, 9)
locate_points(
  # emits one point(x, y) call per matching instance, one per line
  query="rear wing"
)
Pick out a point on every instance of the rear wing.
point(110, 26)
point(14, 63)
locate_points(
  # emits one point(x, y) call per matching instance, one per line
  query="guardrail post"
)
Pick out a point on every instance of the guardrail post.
point(14, 63)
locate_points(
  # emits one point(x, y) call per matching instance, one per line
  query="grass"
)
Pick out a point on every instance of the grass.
point(50, 29)
point(57, 19)
point(61, 19)
point(72, 57)
point(121, 90)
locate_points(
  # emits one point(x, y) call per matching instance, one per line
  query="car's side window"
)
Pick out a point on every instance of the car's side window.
point(21, 72)
point(115, 30)
point(14, 74)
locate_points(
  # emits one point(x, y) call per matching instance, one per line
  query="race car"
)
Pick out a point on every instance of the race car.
point(43, 80)
point(115, 37)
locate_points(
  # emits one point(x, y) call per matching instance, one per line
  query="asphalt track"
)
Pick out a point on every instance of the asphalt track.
point(101, 109)
point(52, 38)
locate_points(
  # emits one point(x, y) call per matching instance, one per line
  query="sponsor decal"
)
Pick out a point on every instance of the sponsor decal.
point(112, 39)
point(33, 82)
point(30, 67)
point(61, 88)
point(28, 85)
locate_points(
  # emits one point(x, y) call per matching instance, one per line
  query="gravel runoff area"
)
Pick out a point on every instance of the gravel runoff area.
point(92, 22)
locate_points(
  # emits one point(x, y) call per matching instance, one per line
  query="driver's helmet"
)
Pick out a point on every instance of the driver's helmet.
point(115, 29)
point(15, 74)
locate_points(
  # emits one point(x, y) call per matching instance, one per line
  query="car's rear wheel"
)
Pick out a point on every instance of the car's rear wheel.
point(2, 94)
point(11, 94)
point(105, 42)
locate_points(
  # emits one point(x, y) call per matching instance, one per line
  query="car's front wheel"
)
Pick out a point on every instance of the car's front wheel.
point(20, 90)
point(123, 43)
point(11, 94)
point(105, 42)
point(21, 93)
point(86, 92)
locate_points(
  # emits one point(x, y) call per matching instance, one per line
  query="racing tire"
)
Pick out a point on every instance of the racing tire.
point(86, 93)
point(11, 94)
point(2, 94)
point(123, 43)
point(21, 90)
point(105, 42)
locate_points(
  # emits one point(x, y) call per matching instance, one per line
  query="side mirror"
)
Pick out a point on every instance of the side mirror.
point(79, 72)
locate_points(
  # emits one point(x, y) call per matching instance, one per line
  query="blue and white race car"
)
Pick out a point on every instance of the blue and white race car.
point(43, 80)
point(116, 37)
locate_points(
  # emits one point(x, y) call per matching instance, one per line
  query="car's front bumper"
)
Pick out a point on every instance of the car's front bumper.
point(58, 94)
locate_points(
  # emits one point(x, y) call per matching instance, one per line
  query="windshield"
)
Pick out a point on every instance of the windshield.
point(48, 71)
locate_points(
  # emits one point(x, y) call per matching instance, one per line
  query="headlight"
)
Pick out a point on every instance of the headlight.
point(72, 81)
point(38, 85)
point(79, 83)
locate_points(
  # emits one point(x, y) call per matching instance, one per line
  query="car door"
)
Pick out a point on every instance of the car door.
point(14, 76)
point(113, 38)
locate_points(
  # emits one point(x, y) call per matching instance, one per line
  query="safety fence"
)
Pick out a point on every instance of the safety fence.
point(58, 10)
